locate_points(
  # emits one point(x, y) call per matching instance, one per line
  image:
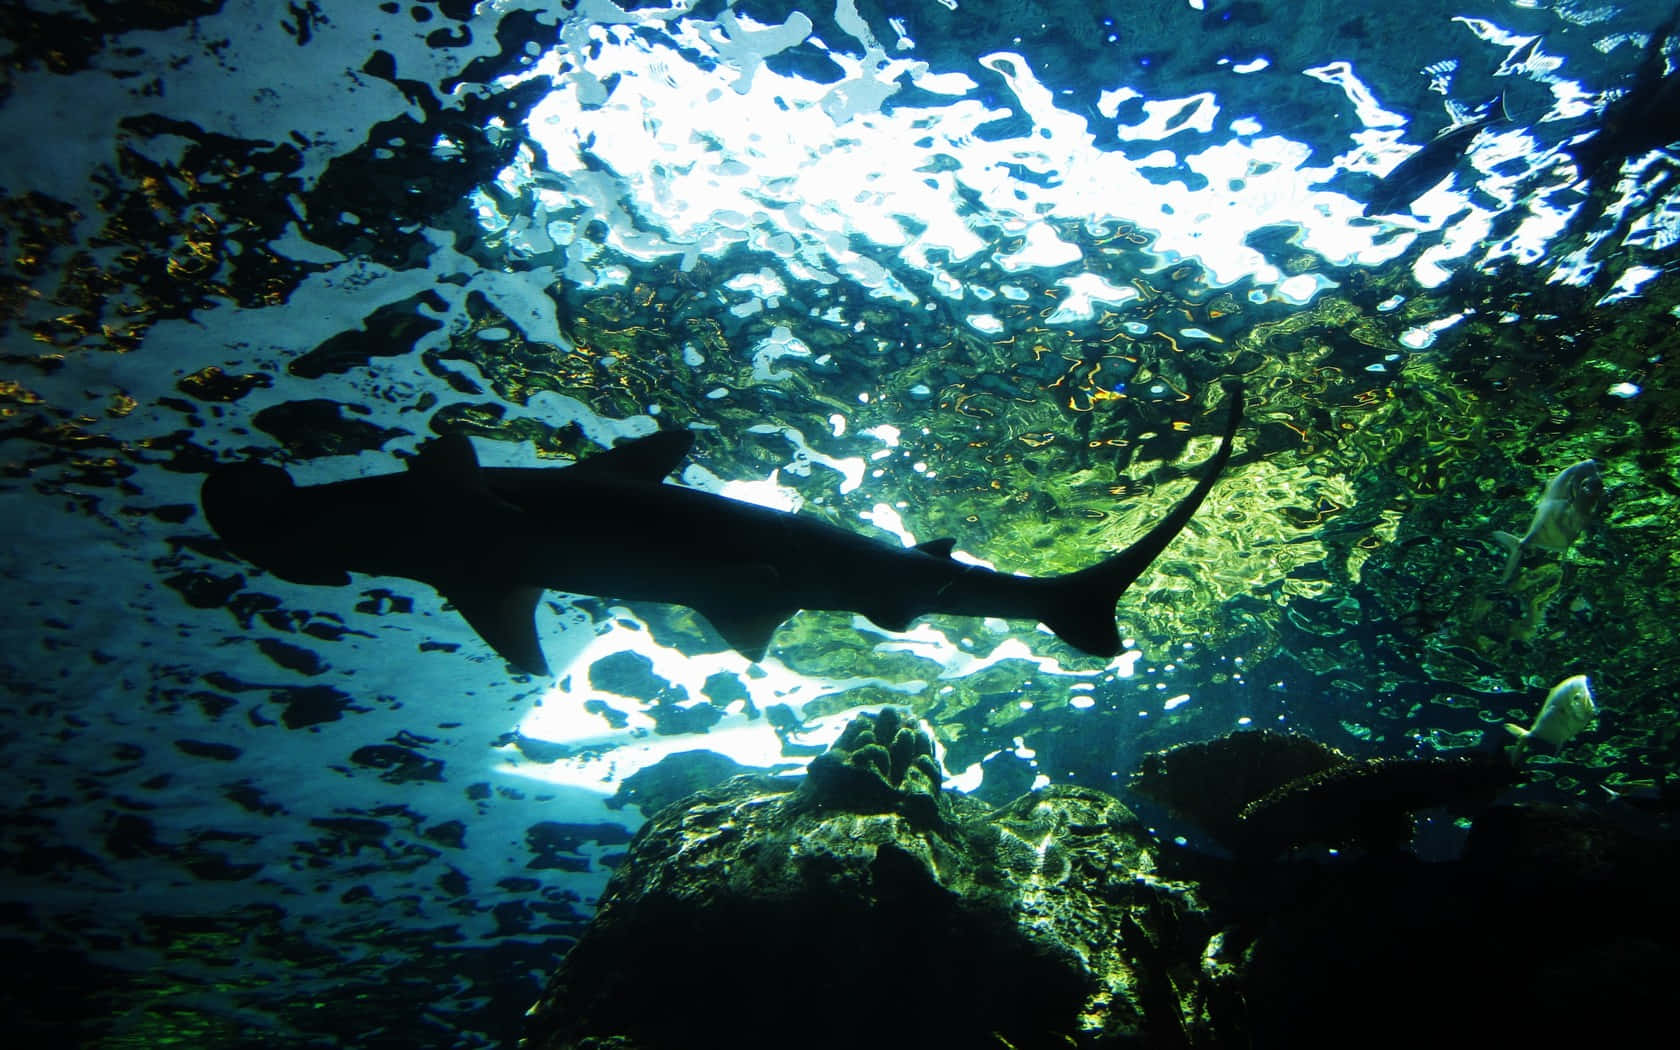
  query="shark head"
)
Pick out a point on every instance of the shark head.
point(249, 505)
point(242, 502)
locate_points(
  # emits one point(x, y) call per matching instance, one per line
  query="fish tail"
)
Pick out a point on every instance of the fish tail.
point(1513, 556)
point(1520, 748)
point(1079, 607)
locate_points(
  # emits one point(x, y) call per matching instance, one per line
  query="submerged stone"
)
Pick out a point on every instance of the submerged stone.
point(888, 913)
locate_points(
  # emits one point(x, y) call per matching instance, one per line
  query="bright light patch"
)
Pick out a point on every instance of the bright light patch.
point(887, 519)
point(699, 148)
point(1301, 289)
point(1628, 285)
point(1423, 336)
point(1041, 250)
point(1084, 292)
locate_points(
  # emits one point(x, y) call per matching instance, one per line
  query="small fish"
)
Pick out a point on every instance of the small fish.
point(1567, 710)
point(1564, 510)
point(1432, 162)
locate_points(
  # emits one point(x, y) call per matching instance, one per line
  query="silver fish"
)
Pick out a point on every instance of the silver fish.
point(1567, 710)
point(1564, 510)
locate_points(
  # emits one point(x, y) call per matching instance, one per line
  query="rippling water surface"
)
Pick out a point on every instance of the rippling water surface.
point(930, 269)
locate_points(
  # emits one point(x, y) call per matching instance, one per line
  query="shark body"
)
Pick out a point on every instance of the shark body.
point(491, 540)
point(1431, 162)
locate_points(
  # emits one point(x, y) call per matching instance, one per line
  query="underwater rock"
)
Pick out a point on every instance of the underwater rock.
point(878, 765)
point(1209, 782)
point(889, 913)
point(672, 778)
point(1543, 898)
point(1260, 793)
point(1368, 804)
point(1561, 923)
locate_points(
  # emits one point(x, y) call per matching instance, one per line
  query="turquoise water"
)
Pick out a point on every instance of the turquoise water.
point(928, 270)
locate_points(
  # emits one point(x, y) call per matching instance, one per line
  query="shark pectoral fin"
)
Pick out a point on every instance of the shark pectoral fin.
point(748, 630)
point(506, 618)
point(940, 548)
point(648, 458)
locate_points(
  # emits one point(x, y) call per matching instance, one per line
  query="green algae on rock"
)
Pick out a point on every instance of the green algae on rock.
point(1042, 924)
point(1260, 793)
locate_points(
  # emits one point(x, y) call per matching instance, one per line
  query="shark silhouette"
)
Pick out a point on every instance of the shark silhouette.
point(491, 540)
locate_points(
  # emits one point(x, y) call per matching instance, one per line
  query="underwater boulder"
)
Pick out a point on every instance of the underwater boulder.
point(1261, 793)
point(1373, 940)
point(866, 906)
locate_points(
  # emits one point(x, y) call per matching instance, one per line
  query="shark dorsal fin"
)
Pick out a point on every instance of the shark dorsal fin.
point(940, 548)
point(650, 458)
point(506, 617)
point(449, 458)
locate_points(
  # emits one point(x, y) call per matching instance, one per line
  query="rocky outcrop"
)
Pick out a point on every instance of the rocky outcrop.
point(863, 906)
point(1262, 793)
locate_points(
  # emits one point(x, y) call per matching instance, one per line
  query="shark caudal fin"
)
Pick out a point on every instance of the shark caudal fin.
point(1080, 607)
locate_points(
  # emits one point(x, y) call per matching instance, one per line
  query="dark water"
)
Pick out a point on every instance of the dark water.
point(925, 270)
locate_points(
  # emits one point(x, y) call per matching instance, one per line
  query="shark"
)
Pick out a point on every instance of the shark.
point(1433, 161)
point(492, 540)
point(1644, 117)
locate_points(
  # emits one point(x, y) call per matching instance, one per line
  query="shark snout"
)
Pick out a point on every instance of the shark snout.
point(242, 501)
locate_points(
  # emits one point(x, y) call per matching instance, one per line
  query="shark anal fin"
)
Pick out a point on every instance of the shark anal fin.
point(895, 619)
point(650, 458)
point(506, 618)
point(940, 548)
point(1079, 607)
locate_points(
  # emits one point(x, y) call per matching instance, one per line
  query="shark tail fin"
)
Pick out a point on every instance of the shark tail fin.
point(1080, 606)
point(1513, 555)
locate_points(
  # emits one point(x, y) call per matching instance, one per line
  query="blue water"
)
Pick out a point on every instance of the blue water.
point(922, 270)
